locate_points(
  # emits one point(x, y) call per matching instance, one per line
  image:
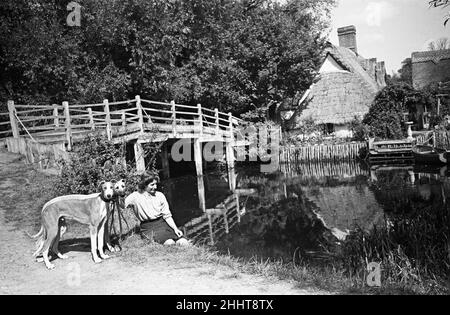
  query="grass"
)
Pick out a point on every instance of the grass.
point(31, 189)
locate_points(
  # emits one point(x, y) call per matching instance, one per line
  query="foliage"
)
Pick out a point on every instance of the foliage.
point(237, 55)
point(95, 159)
point(359, 130)
point(439, 44)
point(413, 244)
point(386, 118)
point(437, 118)
point(442, 4)
point(405, 73)
point(306, 132)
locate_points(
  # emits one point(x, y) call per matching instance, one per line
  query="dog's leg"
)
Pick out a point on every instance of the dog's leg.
point(47, 262)
point(52, 233)
point(93, 232)
point(61, 230)
point(101, 235)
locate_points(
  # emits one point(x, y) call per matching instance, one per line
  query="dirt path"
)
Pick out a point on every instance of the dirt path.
point(19, 274)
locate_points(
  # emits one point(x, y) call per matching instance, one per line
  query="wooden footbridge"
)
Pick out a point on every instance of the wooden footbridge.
point(138, 121)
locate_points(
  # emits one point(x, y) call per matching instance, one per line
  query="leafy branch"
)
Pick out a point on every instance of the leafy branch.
point(442, 4)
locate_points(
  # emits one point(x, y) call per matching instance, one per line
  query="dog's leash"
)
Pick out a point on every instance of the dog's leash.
point(116, 207)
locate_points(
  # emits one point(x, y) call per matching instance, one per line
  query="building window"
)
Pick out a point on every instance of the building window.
point(328, 129)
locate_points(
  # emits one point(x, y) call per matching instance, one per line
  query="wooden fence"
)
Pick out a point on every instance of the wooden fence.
point(68, 123)
point(45, 156)
point(340, 169)
point(318, 153)
point(442, 139)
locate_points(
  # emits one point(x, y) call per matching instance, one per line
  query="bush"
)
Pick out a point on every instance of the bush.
point(385, 118)
point(94, 160)
point(360, 131)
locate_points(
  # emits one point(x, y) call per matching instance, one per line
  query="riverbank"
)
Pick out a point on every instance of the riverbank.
point(141, 268)
point(195, 270)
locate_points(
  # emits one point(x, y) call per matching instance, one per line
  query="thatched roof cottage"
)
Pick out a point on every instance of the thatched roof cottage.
point(346, 86)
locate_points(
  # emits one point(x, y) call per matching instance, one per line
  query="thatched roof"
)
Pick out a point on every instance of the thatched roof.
point(338, 96)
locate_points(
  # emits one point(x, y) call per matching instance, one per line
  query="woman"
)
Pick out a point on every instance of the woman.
point(152, 209)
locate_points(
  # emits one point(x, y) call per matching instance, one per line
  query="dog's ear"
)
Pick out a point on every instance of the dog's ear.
point(101, 184)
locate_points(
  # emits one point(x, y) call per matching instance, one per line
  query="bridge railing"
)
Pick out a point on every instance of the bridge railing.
point(68, 122)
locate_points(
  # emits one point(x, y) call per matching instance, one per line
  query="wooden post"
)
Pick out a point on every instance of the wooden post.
point(238, 208)
point(216, 115)
point(200, 118)
point(230, 125)
point(230, 166)
point(201, 193)
point(107, 119)
point(140, 114)
point(198, 157)
point(55, 115)
point(225, 220)
point(67, 125)
point(211, 235)
point(139, 157)
point(124, 119)
point(438, 105)
point(13, 119)
point(174, 118)
point(165, 160)
point(91, 118)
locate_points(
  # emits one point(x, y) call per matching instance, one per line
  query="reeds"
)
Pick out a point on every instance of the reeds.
point(412, 249)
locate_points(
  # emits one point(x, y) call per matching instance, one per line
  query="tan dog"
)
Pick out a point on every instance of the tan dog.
point(87, 209)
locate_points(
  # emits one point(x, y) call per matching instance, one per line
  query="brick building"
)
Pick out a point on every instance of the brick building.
point(430, 67)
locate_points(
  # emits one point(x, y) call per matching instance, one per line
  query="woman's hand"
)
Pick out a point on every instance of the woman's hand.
point(178, 232)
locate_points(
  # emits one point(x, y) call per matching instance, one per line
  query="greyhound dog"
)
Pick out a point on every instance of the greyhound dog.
point(87, 209)
point(119, 191)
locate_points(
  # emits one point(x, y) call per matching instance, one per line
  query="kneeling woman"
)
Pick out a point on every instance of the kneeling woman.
point(152, 209)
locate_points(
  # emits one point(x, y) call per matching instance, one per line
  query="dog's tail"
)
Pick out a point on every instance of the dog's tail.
point(35, 236)
point(40, 240)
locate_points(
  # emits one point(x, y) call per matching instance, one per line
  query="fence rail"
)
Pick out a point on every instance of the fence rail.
point(317, 153)
point(113, 117)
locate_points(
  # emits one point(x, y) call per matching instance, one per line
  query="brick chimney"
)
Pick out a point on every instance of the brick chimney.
point(347, 38)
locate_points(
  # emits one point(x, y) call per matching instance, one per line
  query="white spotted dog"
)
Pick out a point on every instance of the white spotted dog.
point(90, 209)
point(119, 192)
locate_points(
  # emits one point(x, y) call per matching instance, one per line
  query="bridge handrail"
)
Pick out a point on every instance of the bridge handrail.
point(25, 118)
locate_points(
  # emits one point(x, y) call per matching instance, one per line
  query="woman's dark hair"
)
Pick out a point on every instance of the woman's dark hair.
point(146, 179)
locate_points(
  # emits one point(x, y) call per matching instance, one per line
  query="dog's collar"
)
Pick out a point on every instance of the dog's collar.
point(105, 199)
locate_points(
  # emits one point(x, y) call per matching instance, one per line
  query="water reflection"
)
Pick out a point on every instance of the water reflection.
point(300, 209)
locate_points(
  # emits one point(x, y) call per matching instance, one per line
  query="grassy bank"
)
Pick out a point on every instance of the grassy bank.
point(31, 189)
point(320, 276)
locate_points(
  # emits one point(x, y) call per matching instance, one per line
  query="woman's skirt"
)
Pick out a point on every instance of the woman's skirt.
point(158, 230)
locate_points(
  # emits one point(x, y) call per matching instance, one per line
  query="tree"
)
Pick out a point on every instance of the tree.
point(386, 118)
point(439, 44)
point(237, 55)
point(442, 4)
point(406, 71)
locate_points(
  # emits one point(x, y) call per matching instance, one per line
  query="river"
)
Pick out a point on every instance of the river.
point(301, 208)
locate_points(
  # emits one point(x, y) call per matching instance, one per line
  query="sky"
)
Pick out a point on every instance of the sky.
point(390, 30)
